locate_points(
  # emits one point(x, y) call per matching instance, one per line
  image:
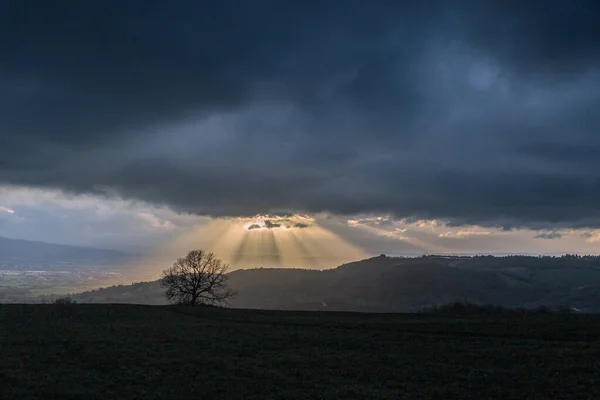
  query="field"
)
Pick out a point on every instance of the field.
point(154, 352)
point(21, 286)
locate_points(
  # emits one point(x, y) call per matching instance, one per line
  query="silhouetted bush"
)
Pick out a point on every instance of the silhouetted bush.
point(64, 300)
point(468, 308)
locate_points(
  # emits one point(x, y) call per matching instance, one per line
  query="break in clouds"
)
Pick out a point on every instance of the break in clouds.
point(474, 113)
point(286, 223)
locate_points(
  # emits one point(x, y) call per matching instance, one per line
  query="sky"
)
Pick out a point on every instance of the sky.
point(385, 127)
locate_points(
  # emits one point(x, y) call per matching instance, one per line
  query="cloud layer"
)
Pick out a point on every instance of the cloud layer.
point(476, 113)
point(51, 216)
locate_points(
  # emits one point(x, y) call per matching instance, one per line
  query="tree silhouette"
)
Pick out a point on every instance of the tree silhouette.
point(196, 279)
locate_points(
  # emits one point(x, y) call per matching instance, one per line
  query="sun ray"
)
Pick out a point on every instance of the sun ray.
point(303, 250)
point(240, 250)
point(283, 242)
point(272, 249)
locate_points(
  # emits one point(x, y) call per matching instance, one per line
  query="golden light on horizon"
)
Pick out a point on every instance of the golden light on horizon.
point(289, 241)
point(262, 241)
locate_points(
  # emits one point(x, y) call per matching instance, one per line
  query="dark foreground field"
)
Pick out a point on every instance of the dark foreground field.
point(153, 352)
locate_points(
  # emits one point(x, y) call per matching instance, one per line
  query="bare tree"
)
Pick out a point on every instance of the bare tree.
point(197, 278)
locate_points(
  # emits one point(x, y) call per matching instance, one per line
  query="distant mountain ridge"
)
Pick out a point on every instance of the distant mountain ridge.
point(389, 284)
point(19, 254)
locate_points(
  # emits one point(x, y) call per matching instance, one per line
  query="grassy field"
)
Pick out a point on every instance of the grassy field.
point(155, 352)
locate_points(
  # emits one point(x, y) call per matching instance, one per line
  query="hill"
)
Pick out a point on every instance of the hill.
point(17, 254)
point(388, 284)
point(125, 351)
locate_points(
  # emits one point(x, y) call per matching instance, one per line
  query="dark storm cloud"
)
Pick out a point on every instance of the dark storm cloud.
point(270, 224)
point(254, 226)
point(549, 235)
point(472, 112)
